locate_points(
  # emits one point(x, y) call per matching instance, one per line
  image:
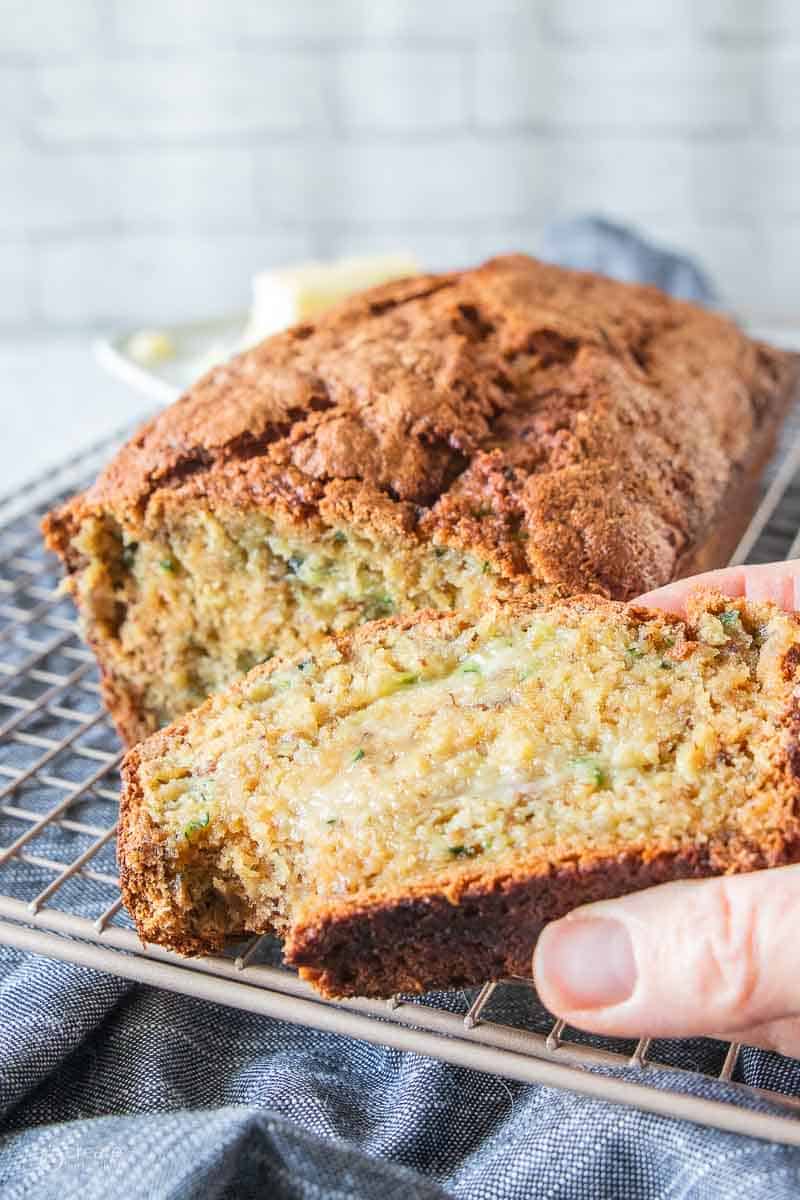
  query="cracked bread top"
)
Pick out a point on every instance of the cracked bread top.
point(558, 424)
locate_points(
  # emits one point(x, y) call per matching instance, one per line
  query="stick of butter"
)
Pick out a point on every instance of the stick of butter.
point(284, 296)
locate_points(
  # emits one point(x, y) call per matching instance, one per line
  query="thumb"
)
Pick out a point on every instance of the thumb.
point(705, 957)
point(778, 582)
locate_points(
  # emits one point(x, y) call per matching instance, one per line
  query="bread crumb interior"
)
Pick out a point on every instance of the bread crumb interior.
point(182, 614)
point(421, 757)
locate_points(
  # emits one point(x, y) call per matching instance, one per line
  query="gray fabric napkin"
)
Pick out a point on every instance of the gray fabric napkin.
point(597, 244)
point(109, 1089)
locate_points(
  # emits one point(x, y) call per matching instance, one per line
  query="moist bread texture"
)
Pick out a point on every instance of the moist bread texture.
point(410, 803)
point(437, 442)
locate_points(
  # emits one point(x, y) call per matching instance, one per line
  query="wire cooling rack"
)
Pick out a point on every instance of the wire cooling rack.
point(59, 894)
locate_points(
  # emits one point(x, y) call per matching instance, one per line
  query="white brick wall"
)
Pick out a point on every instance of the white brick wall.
point(48, 193)
point(654, 89)
point(32, 28)
point(604, 20)
point(154, 153)
point(745, 19)
point(782, 90)
point(401, 90)
point(198, 188)
point(16, 101)
point(152, 23)
point(18, 275)
point(156, 275)
point(448, 183)
point(214, 96)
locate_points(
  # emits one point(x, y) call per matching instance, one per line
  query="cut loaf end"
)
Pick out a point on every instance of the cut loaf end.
point(408, 805)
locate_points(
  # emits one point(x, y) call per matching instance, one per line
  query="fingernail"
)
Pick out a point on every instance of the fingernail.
point(588, 961)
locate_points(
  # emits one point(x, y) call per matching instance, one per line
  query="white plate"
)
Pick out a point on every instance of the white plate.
point(199, 344)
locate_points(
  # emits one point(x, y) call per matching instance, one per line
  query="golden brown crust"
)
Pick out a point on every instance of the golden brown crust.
point(487, 930)
point(736, 506)
point(475, 923)
point(603, 419)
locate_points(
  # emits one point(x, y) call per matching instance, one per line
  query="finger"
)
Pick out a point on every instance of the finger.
point(682, 959)
point(778, 582)
point(781, 1036)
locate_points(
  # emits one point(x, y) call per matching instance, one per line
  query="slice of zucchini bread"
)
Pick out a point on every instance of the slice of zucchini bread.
point(410, 803)
point(436, 442)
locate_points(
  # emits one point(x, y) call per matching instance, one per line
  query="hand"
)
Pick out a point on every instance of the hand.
point(716, 957)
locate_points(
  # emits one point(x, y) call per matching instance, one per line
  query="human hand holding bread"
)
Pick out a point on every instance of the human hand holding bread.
point(716, 957)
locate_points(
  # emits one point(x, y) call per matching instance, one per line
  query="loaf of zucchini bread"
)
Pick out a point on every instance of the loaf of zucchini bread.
point(433, 443)
point(408, 804)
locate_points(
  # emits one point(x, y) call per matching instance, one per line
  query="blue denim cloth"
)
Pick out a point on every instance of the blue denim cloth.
point(113, 1089)
point(596, 244)
point(109, 1088)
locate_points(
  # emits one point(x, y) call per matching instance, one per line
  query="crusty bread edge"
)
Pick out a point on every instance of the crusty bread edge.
point(738, 503)
point(489, 930)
